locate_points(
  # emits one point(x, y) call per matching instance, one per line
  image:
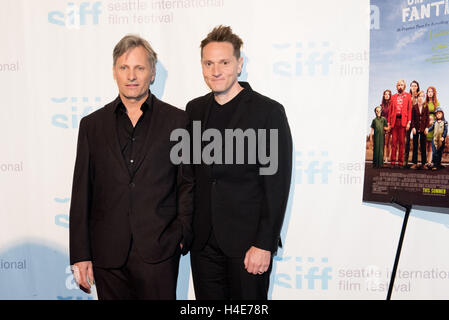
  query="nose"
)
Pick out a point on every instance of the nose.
point(216, 70)
point(131, 75)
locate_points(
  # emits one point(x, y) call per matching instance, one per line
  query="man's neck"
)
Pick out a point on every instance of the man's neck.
point(133, 105)
point(224, 97)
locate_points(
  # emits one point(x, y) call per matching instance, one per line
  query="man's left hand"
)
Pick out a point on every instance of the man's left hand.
point(257, 261)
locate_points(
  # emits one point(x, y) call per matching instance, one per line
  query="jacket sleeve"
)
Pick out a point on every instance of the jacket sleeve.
point(414, 124)
point(277, 185)
point(409, 110)
point(185, 189)
point(80, 201)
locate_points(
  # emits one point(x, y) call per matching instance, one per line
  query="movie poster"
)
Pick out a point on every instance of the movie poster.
point(407, 144)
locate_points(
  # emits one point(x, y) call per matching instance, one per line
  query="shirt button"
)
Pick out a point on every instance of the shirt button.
point(132, 185)
point(132, 161)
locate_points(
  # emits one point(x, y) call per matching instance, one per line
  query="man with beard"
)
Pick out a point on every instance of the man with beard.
point(399, 119)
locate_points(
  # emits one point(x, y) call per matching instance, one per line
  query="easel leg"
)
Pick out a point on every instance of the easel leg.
point(398, 251)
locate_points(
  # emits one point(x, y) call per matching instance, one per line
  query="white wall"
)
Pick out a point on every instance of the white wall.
point(312, 56)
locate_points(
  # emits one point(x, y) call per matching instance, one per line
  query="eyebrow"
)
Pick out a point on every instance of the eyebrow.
point(221, 60)
point(127, 65)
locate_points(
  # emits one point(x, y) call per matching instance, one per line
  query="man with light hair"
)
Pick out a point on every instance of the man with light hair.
point(399, 121)
point(131, 207)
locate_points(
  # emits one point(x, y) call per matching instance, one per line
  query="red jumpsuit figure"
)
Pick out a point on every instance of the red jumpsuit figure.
point(399, 119)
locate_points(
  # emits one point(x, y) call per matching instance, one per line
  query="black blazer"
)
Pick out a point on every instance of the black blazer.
point(102, 221)
point(243, 207)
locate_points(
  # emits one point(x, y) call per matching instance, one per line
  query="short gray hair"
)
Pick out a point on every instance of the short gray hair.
point(132, 41)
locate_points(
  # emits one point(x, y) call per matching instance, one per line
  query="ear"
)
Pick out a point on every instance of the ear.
point(240, 65)
point(113, 73)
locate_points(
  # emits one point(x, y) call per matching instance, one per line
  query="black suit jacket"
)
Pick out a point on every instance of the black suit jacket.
point(109, 208)
point(243, 207)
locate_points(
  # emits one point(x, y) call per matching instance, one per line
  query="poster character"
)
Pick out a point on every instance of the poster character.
point(399, 119)
point(439, 129)
point(385, 105)
point(432, 103)
point(420, 122)
point(379, 126)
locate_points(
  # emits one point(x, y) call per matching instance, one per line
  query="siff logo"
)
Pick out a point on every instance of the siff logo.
point(309, 274)
point(76, 15)
point(308, 167)
point(62, 219)
point(71, 120)
point(297, 59)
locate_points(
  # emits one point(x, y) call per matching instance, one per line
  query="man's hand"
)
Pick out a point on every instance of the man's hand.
point(84, 275)
point(257, 260)
point(414, 130)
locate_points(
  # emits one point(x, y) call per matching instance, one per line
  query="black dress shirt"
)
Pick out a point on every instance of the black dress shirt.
point(131, 138)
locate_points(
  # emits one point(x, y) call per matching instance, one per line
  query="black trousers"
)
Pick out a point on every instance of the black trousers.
point(437, 154)
point(219, 277)
point(421, 138)
point(407, 145)
point(138, 280)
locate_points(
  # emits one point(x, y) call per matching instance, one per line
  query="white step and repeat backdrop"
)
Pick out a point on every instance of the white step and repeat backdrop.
point(312, 56)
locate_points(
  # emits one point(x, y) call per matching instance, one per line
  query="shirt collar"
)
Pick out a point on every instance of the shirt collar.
point(146, 105)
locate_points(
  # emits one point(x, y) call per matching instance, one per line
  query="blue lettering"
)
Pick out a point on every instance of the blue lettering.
point(278, 280)
point(312, 273)
point(55, 121)
point(316, 60)
point(53, 18)
point(76, 15)
point(62, 220)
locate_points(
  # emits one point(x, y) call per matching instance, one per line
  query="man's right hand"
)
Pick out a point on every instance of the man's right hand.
point(83, 273)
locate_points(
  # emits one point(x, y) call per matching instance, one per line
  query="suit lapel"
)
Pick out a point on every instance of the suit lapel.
point(110, 131)
point(207, 106)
